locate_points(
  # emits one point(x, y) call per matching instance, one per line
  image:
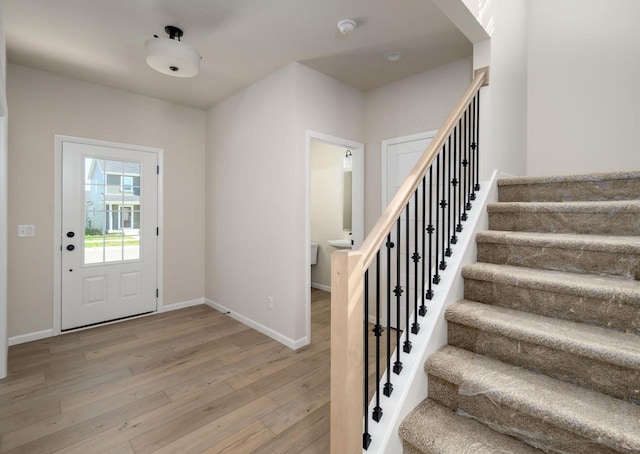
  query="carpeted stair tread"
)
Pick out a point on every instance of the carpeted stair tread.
point(595, 177)
point(595, 186)
point(603, 344)
point(603, 206)
point(607, 301)
point(599, 243)
point(603, 217)
point(434, 429)
point(558, 281)
point(609, 422)
point(597, 358)
point(577, 253)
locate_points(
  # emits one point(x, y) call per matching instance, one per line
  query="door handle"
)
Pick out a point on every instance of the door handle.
point(70, 247)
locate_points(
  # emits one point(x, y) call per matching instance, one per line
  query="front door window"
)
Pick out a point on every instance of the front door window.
point(112, 210)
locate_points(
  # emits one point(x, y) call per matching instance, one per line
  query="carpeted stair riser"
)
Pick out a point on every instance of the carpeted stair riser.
point(604, 218)
point(582, 255)
point(594, 300)
point(539, 410)
point(434, 429)
point(553, 359)
point(617, 186)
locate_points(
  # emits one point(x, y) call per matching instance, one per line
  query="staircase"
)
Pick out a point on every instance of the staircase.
point(544, 351)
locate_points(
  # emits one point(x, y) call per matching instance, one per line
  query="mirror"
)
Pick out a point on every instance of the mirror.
point(346, 202)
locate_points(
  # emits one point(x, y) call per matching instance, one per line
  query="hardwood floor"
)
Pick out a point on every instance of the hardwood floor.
point(187, 381)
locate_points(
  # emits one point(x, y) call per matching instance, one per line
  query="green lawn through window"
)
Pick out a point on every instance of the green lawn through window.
point(110, 239)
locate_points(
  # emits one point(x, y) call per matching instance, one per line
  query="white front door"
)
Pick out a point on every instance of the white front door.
point(109, 233)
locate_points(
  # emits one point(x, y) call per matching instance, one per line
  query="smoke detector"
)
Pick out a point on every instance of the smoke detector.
point(393, 56)
point(347, 26)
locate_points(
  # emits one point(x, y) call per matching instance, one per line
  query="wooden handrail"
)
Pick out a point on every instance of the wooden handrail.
point(385, 223)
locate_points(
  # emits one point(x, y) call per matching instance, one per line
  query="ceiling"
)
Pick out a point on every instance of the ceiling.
point(241, 41)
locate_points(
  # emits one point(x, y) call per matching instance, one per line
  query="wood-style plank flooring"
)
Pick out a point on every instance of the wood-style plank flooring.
point(187, 381)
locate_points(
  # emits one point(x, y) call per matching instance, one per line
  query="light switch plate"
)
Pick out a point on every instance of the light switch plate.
point(26, 231)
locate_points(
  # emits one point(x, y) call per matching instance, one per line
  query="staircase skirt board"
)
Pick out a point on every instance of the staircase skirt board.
point(544, 351)
point(607, 302)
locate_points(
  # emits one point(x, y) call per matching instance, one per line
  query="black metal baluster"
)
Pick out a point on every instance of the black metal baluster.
point(423, 308)
point(436, 276)
point(377, 330)
point(474, 164)
point(406, 346)
point(477, 186)
point(430, 231)
point(449, 203)
point(454, 183)
point(388, 387)
point(415, 327)
point(465, 164)
point(468, 152)
point(443, 207)
point(366, 438)
point(397, 365)
point(460, 177)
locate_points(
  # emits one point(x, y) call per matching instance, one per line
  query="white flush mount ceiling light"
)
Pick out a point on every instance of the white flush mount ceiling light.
point(347, 26)
point(171, 56)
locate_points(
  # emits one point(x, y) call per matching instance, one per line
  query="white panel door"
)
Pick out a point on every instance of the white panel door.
point(109, 233)
point(400, 156)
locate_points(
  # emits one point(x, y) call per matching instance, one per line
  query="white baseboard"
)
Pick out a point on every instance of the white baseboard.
point(30, 337)
point(326, 288)
point(291, 343)
point(182, 305)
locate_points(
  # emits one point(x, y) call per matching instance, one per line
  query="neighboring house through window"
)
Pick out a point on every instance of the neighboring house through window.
point(112, 198)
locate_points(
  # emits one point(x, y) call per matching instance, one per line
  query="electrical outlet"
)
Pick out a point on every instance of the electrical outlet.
point(270, 302)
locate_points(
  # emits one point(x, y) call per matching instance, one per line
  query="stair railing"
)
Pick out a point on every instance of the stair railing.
point(434, 200)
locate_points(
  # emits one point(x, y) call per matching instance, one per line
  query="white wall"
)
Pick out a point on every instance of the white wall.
point(416, 104)
point(249, 218)
point(43, 104)
point(584, 86)
point(327, 198)
point(256, 241)
point(504, 101)
point(506, 95)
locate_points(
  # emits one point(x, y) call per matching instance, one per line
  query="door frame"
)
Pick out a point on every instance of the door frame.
point(57, 222)
point(357, 213)
point(384, 185)
point(4, 236)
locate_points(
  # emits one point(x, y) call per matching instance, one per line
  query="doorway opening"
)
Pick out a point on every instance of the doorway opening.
point(334, 209)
